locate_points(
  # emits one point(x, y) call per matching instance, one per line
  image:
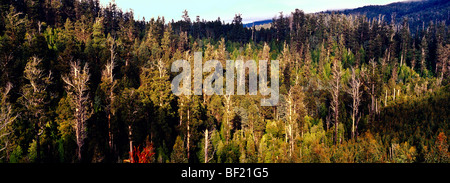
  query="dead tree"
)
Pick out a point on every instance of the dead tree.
point(35, 97)
point(6, 118)
point(335, 89)
point(78, 92)
point(208, 146)
point(295, 111)
point(355, 93)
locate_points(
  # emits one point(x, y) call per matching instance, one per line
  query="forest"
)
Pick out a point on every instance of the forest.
point(81, 82)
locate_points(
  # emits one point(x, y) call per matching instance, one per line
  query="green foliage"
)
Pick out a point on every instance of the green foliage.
point(32, 152)
point(179, 152)
point(16, 155)
point(65, 120)
point(404, 102)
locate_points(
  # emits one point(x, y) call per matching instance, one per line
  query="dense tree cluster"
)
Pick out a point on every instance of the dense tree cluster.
point(85, 83)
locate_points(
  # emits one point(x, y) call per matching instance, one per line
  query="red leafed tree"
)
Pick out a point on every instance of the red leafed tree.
point(144, 156)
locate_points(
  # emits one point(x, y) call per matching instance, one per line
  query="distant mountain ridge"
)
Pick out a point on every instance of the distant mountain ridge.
point(260, 22)
point(416, 12)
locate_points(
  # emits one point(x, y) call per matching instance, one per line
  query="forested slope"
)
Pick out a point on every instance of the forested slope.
point(85, 83)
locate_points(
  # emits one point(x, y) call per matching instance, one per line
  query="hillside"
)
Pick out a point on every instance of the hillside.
point(416, 11)
point(84, 83)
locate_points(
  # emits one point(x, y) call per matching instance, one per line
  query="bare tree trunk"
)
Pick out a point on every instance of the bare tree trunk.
point(38, 143)
point(291, 141)
point(110, 135)
point(206, 146)
point(228, 113)
point(6, 118)
point(188, 135)
point(385, 99)
point(79, 140)
point(130, 139)
point(354, 91)
point(336, 122)
point(372, 92)
point(108, 76)
point(335, 88)
point(353, 126)
point(290, 122)
point(181, 114)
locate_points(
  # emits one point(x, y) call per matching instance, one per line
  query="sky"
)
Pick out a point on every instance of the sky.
point(251, 10)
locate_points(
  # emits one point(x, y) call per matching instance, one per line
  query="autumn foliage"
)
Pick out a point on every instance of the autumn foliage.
point(143, 156)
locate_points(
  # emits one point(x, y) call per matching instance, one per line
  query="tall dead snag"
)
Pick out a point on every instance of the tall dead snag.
point(372, 80)
point(206, 145)
point(35, 97)
point(295, 112)
point(228, 113)
point(335, 89)
point(77, 90)
point(443, 57)
point(355, 93)
point(6, 118)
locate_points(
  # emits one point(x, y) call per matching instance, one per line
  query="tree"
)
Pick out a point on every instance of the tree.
point(7, 117)
point(130, 110)
point(179, 152)
point(237, 31)
point(155, 89)
point(186, 23)
point(11, 47)
point(443, 60)
point(281, 25)
point(355, 93)
point(65, 121)
point(228, 116)
point(193, 124)
point(404, 43)
point(335, 90)
point(208, 148)
point(423, 55)
point(126, 36)
point(295, 112)
point(372, 80)
point(107, 86)
point(35, 97)
point(78, 91)
point(83, 29)
point(166, 44)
